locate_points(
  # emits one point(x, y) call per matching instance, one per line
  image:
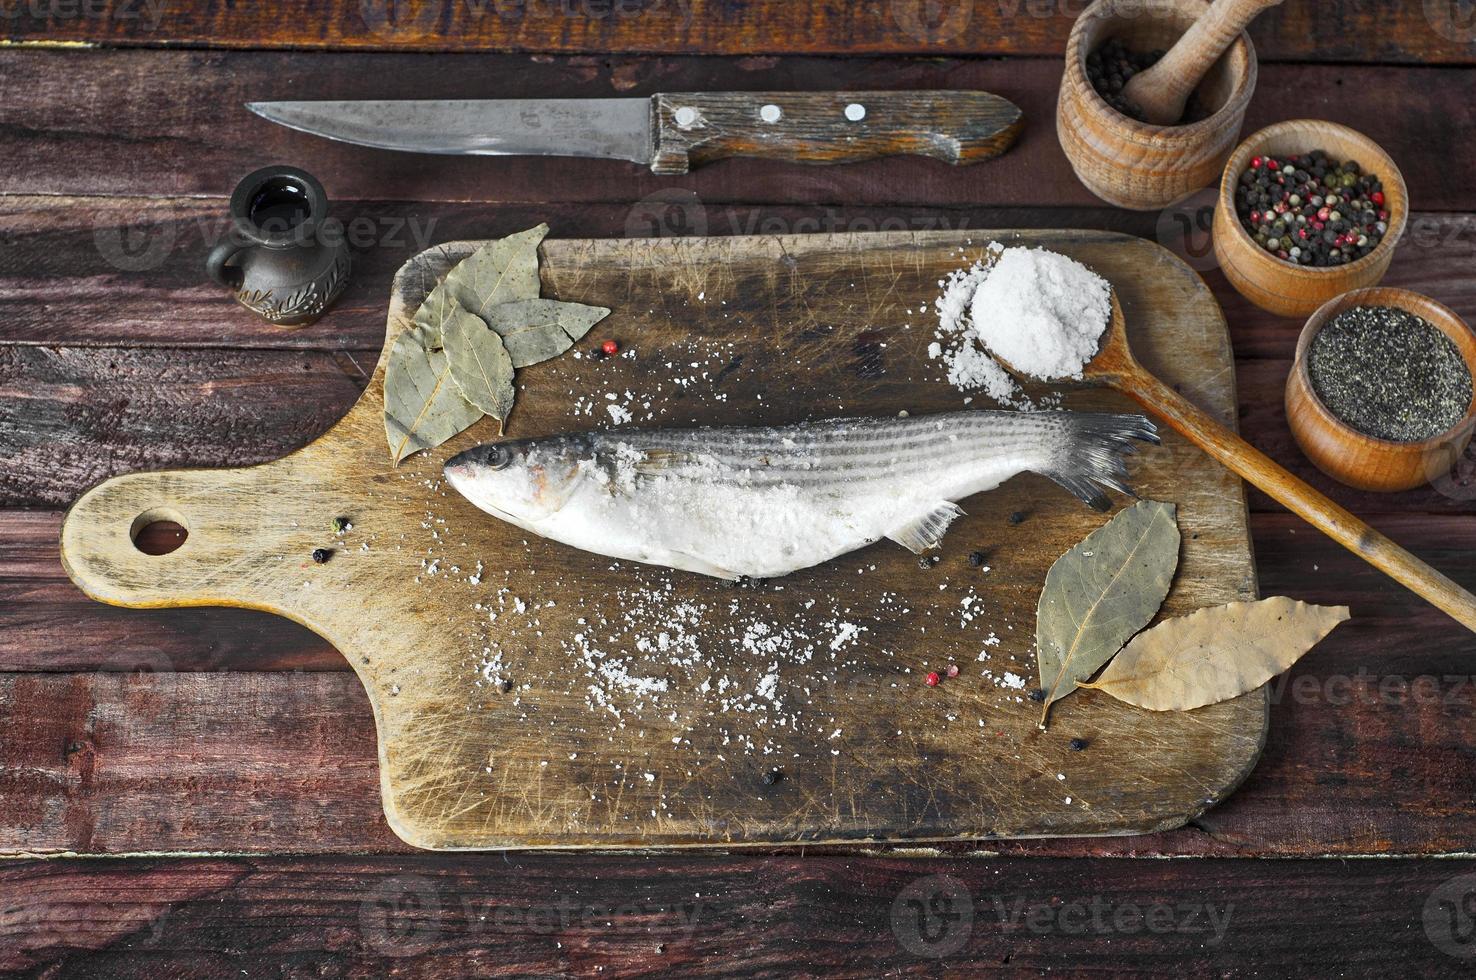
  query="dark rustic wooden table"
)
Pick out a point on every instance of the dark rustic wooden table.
point(230, 756)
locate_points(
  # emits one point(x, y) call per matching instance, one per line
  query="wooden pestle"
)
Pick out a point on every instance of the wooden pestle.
point(1160, 92)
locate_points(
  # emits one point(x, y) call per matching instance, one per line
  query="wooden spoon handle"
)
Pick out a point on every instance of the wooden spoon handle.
point(1161, 91)
point(1334, 521)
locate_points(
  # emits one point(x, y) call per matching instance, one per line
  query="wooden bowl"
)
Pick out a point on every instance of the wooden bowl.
point(1133, 164)
point(1350, 456)
point(1282, 287)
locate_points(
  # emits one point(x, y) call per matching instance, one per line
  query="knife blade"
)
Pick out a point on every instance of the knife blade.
point(673, 131)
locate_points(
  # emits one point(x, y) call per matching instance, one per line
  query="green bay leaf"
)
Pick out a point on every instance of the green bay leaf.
point(422, 405)
point(1101, 592)
point(503, 271)
point(536, 329)
point(479, 363)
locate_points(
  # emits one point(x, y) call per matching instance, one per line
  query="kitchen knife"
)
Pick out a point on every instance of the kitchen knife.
point(672, 132)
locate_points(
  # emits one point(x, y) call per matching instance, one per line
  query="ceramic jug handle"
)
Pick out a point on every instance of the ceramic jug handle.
point(215, 263)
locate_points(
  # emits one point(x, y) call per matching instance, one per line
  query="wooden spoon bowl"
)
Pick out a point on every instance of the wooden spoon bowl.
point(1283, 287)
point(1115, 366)
point(1133, 164)
point(1353, 457)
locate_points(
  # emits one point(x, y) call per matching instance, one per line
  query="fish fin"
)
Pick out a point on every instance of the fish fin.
point(656, 460)
point(926, 531)
point(1092, 455)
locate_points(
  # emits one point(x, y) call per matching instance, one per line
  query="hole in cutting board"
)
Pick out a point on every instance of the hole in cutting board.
point(158, 531)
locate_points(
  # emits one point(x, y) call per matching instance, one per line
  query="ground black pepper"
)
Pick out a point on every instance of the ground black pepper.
point(1111, 66)
point(1312, 209)
point(1389, 373)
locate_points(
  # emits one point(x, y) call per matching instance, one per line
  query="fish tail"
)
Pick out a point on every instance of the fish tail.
point(1091, 455)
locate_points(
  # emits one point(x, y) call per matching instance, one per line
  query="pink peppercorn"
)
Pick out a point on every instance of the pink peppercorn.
point(932, 678)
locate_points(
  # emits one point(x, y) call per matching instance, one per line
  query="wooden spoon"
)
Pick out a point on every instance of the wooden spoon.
point(1160, 92)
point(1116, 367)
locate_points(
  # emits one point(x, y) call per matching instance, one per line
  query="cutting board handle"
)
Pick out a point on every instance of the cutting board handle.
point(222, 512)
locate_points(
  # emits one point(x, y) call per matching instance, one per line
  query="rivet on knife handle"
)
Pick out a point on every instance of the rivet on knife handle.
point(829, 127)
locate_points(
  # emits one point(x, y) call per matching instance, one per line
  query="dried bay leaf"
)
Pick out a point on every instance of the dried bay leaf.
point(1101, 592)
point(479, 363)
point(503, 271)
point(422, 405)
point(1215, 654)
point(536, 329)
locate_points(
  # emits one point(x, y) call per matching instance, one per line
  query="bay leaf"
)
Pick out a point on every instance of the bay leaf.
point(479, 363)
point(1101, 592)
point(536, 329)
point(422, 405)
point(1215, 654)
point(503, 271)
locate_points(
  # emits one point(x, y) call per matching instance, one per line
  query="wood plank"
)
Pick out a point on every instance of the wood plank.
point(152, 123)
point(1359, 30)
point(72, 254)
point(627, 915)
point(153, 408)
point(1363, 755)
point(75, 415)
point(285, 757)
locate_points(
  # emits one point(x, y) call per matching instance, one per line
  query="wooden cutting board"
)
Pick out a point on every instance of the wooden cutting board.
point(528, 694)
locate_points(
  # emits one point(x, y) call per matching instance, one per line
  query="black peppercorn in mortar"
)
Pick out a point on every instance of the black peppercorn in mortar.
point(1111, 66)
point(1311, 209)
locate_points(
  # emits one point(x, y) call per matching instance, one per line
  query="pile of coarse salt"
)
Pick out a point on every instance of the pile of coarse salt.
point(1042, 312)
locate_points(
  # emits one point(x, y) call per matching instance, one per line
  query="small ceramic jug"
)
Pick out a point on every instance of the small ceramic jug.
point(281, 258)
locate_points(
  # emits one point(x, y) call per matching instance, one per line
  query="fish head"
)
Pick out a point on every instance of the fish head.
point(524, 482)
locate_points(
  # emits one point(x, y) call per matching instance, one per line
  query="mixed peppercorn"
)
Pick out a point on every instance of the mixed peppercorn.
point(1312, 209)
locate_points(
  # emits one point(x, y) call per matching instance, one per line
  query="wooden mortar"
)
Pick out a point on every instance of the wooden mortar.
point(1355, 458)
point(1282, 287)
point(1136, 165)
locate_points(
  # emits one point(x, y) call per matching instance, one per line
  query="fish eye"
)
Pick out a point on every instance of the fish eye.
point(498, 457)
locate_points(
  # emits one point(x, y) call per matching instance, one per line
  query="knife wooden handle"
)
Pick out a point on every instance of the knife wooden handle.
point(829, 127)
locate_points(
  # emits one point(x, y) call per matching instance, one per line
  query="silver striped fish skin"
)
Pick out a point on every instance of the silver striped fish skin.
point(763, 502)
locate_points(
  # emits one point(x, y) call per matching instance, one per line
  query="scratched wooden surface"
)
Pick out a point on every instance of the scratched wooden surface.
point(488, 658)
